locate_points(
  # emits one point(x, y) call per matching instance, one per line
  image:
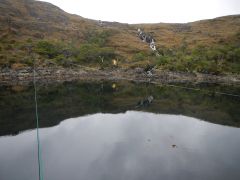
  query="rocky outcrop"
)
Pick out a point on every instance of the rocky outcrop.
point(47, 75)
point(179, 28)
point(52, 75)
point(147, 38)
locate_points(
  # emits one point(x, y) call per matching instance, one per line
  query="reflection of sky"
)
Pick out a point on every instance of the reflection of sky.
point(134, 145)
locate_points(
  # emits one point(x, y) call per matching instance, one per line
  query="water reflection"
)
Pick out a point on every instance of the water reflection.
point(62, 101)
point(132, 145)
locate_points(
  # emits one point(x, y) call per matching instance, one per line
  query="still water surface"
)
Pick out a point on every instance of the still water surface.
point(98, 131)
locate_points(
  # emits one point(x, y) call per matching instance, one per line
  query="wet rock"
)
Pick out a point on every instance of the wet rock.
point(139, 70)
point(145, 102)
point(147, 38)
point(149, 73)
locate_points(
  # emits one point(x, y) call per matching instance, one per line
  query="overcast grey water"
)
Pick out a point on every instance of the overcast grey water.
point(104, 131)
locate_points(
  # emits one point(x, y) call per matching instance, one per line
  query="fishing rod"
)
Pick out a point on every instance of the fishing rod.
point(40, 168)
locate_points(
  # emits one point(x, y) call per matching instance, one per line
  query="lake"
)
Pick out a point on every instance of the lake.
point(121, 130)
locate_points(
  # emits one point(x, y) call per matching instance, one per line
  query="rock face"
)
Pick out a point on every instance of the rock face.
point(147, 38)
point(57, 74)
point(48, 75)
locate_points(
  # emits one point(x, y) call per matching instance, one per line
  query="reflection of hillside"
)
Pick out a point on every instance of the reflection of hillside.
point(62, 101)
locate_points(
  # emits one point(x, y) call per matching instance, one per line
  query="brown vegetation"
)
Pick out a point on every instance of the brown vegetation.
point(25, 23)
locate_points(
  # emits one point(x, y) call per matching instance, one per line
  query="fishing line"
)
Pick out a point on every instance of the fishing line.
point(40, 169)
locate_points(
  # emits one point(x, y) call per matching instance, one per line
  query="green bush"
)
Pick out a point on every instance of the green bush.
point(163, 60)
point(139, 56)
point(47, 49)
point(9, 47)
point(91, 53)
point(28, 61)
point(96, 37)
point(212, 60)
point(59, 58)
point(233, 55)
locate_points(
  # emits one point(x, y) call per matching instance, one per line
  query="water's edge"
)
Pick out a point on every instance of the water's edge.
point(50, 75)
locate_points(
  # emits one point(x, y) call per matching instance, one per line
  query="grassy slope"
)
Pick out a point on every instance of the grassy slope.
point(205, 32)
point(28, 22)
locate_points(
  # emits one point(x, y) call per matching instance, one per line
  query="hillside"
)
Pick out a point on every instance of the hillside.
point(60, 39)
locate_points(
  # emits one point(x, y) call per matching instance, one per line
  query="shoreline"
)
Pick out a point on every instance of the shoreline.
point(24, 76)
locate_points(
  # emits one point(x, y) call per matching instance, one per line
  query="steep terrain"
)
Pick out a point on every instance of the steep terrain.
point(57, 38)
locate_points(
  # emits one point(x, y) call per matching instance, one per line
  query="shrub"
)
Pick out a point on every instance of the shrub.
point(91, 53)
point(233, 55)
point(47, 49)
point(98, 38)
point(9, 47)
point(139, 56)
point(164, 60)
